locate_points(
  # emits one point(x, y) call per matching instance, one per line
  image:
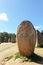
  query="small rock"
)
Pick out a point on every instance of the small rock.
point(19, 60)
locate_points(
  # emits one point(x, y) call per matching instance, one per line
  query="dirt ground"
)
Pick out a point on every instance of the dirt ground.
point(8, 49)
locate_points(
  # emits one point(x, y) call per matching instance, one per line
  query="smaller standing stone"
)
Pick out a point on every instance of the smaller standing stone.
point(38, 38)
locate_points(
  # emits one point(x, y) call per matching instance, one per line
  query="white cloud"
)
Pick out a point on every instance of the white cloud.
point(38, 27)
point(4, 17)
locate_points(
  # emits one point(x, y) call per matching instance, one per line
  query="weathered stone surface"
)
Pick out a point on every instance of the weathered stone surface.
point(42, 38)
point(38, 38)
point(26, 38)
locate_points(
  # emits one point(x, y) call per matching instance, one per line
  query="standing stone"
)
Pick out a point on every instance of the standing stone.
point(26, 38)
point(39, 38)
point(42, 38)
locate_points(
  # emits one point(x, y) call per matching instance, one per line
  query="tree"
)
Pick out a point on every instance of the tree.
point(13, 38)
point(5, 35)
point(1, 37)
point(9, 37)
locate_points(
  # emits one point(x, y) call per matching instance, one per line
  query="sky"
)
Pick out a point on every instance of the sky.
point(13, 12)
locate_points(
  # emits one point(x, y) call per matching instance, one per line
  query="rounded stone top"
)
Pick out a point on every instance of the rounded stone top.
point(26, 28)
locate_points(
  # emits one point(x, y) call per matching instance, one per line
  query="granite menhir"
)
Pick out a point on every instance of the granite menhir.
point(26, 38)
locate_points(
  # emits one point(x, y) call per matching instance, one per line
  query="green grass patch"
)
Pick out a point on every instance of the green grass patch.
point(8, 58)
point(17, 55)
point(33, 58)
point(38, 47)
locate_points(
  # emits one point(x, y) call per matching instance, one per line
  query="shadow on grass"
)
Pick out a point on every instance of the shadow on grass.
point(41, 46)
point(36, 58)
point(33, 58)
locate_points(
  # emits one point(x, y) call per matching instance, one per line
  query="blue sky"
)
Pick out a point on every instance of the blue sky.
point(13, 12)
